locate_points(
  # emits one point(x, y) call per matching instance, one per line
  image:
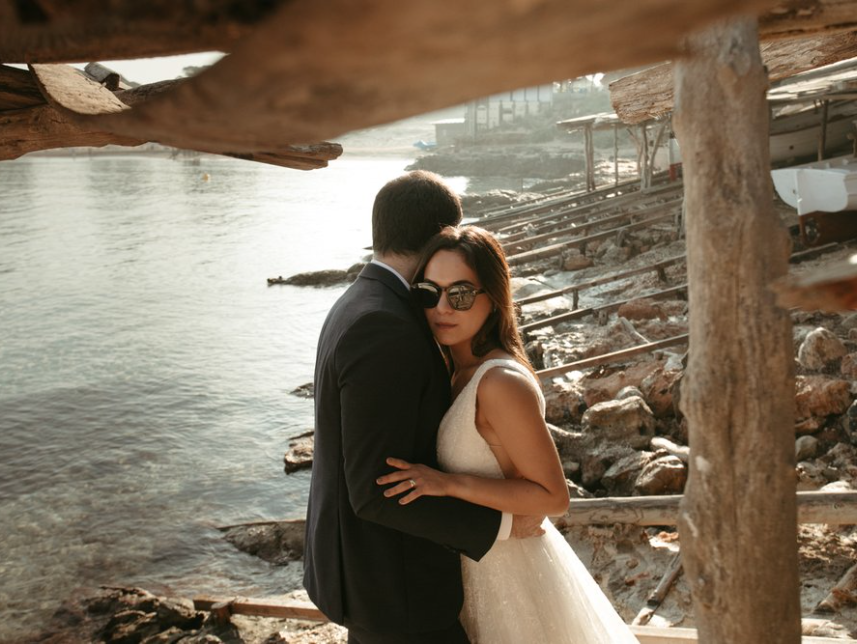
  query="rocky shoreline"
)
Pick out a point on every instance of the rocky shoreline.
point(620, 433)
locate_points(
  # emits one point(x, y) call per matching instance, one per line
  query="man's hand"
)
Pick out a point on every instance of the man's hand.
point(524, 527)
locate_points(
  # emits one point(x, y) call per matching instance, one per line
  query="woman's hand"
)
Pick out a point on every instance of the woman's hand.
point(415, 479)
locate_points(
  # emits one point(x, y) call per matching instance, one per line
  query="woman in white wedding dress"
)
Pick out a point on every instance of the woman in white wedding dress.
point(495, 450)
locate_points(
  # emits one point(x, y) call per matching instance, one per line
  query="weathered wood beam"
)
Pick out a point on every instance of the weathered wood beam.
point(615, 356)
point(649, 94)
point(609, 198)
point(657, 266)
point(18, 89)
point(262, 607)
point(796, 18)
point(556, 249)
point(657, 596)
point(582, 225)
point(52, 126)
point(738, 519)
point(833, 508)
point(594, 310)
point(327, 67)
point(50, 31)
point(44, 128)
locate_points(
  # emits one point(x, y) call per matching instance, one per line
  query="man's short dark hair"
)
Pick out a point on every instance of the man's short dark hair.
point(409, 210)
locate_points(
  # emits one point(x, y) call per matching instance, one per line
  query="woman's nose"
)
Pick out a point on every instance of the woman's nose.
point(443, 304)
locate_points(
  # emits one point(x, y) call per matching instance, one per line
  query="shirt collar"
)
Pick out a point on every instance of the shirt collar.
point(393, 271)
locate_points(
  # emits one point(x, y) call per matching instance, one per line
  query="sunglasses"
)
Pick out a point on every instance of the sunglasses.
point(460, 296)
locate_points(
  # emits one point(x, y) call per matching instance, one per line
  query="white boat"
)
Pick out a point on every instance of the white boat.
point(822, 186)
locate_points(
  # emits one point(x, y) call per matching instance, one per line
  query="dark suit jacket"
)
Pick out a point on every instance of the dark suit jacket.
point(381, 389)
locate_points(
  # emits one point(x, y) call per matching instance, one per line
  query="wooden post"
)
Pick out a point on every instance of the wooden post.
point(738, 517)
point(589, 147)
point(822, 135)
point(644, 155)
point(615, 154)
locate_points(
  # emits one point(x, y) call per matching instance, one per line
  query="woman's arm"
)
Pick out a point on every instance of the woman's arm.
point(509, 406)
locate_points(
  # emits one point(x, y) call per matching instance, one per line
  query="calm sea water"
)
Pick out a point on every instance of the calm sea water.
point(145, 365)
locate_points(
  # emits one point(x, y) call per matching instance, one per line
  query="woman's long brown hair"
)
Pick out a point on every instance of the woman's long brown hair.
point(486, 258)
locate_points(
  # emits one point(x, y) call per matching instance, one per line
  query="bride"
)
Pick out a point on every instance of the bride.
point(496, 451)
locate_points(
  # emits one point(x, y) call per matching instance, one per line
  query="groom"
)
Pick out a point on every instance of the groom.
point(389, 573)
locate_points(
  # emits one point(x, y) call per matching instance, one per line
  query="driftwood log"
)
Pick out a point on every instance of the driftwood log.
point(738, 519)
point(57, 98)
point(326, 69)
point(843, 593)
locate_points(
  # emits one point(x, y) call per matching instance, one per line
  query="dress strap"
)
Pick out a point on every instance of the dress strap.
point(512, 364)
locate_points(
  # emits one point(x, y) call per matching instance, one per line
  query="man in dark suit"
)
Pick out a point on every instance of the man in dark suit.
point(390, 573)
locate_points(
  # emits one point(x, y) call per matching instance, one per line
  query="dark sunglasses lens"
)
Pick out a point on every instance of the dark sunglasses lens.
point(461, 297)
point(427, 295)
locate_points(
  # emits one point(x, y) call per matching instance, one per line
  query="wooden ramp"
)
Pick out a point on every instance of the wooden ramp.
point(223, 607)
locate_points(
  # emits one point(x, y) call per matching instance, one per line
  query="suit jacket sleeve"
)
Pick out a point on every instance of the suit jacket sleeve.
point(384, 367)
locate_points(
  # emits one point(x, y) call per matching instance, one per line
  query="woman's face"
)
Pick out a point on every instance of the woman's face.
point(449, 326)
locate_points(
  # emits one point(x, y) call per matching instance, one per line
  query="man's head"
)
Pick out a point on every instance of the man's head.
point(409, 210)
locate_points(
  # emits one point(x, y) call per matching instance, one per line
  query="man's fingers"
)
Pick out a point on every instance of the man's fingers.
point(397, 462)
point(413, 496)
point(401, 488)
point(393, 477)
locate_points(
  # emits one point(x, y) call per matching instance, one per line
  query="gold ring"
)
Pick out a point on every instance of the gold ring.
point(412, 482)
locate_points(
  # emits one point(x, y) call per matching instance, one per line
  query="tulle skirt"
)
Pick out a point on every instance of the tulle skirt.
point(537, 590)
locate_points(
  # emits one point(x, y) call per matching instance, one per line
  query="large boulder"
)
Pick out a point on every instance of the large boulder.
point(596, 390)
point(277, 542)
point(575, 261)
point(820, 349)
point(664, 475)
point(300, 453)
point(573, 447)
point(848, 366)
point(642, 309)
point(806, 447)
point(563, 403)
point(817, 397)
point(329, 277)
point(659, 390)
point(619, 479)
point(625, 422)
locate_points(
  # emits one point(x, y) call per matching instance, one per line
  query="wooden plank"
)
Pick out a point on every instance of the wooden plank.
point(568, 230)
point(661, 635)
point(650, 94)
point(70, 90)
point(616, 356)
point(581, 210)
point(657, 266)
point(657, 596)
point(580, 313)
point(556, 249)
point(517, 217)
point(293, 609)
point(843, 593)
point(263, 607)
point(831, 508)
point(799, 18)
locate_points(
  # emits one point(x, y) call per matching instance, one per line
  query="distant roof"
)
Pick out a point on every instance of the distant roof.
point(458, 121)
point(604, 120)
